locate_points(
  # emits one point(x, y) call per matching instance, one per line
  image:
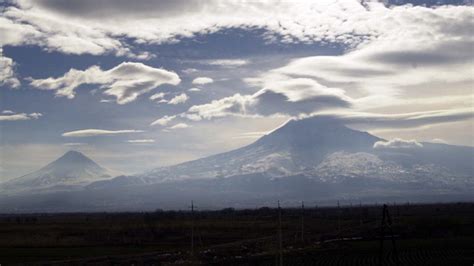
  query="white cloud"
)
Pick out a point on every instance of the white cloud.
point(14, 117)
point(202, 80)
point(182, 98)
point(438, 140)
point(125, 82)
point(250, 135)
point(163, 121)
point(7, 112)
point(157, 96)
point(397, 144)
point(74, 144)
point(98, 132)
point(402, 120)
point(189, 70)
point(19, 117)
point(98, 27)
point(54, 32)
point(282, 97)
point(7, 74)
point(179, 126)
point(35, 115)
point(194, 90)
point(229, 63)
point(401, 62)
point(141, 141)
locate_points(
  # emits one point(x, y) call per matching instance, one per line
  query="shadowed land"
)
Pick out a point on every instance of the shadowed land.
point(434, 234)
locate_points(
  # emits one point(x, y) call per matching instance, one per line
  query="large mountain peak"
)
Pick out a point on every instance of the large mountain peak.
point(309, 126)
point(297, 145)
point(318, 133)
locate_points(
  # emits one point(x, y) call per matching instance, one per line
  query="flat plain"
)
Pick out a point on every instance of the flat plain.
point(434, 234)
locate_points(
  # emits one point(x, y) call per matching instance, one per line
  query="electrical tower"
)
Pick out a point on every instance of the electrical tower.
point(387, 223)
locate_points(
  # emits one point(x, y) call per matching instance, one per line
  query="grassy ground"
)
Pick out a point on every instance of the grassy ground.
point(437, 234)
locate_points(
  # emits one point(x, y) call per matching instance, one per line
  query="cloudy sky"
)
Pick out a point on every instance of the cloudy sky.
point(140, 84)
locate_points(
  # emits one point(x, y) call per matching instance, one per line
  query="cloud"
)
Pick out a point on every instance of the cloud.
point(179, 126)
point(98, 27)
point(74, 144)
point(163, 121)
point(141, 141)
point(19, 117)
point(400, 62)
point(157, 96)
point(189, 70)
point(7, 74)
point(403, 120)
point(98, 132)
point(283, 97)
point(194, 90)
point(35, 115)
point(228, 63)
point(438, 140)
point(202, 81)
point(182, 98)
point(397, 144)
point(125, 82)
point(250, 135)
point(7, 112)
point(14, 117)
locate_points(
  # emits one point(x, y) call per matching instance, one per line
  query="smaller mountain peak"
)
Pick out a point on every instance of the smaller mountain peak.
point(74, 153)
point(74, 156)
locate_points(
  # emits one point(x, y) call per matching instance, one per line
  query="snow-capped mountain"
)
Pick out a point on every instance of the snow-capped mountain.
point(322, 149)
point(294, 148)
point(71, 169)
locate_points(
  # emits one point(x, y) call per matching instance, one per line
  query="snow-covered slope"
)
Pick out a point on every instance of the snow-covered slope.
point(294, 148)
point(71, 169)
point(340, 166)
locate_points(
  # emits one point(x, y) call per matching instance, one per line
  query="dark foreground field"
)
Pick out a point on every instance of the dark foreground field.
point(437, 234)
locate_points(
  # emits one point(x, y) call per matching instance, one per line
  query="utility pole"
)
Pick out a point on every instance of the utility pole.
point(338, 219)
point(376, 208)
point(280, 236)
point(192, 228)
point(302, 221)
